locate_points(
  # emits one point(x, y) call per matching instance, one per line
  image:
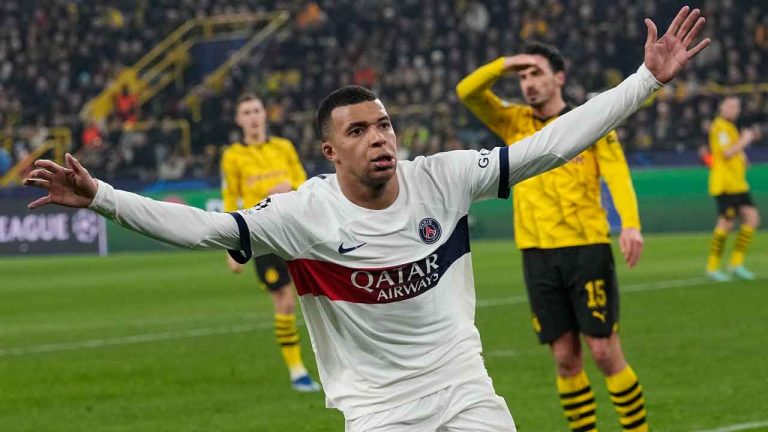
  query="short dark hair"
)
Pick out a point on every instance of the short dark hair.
point(549, 52)
point(347, 95)
point(246, 97)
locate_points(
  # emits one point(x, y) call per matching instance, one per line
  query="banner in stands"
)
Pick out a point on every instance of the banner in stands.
point(49, 230)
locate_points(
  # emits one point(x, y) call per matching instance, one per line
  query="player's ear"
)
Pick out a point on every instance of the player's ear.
point(328, 151)
point(560, 78)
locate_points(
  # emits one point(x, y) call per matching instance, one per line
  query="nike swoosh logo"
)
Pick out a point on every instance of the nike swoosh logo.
point(343, 250)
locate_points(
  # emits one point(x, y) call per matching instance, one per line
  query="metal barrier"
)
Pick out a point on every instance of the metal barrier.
point(167, 61)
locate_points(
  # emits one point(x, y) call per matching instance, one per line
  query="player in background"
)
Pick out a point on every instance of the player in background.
point(563, 233)
point(251, 170)
point(388, 296)
point(728, 185)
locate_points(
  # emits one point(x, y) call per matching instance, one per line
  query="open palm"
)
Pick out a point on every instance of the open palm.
point(71, 187)
point(666, 57)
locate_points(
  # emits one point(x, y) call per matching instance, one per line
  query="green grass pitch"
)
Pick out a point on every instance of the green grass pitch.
point(174, 342)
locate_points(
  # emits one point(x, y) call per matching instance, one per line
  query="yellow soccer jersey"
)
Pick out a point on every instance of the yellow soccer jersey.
point(561, 207)
point(249, 172)
point(728, 175)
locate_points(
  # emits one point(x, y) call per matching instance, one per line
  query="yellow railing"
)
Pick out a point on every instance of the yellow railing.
point(165, 63)
point(59, 141)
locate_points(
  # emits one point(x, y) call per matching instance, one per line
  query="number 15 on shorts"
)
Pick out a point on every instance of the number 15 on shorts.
point(596, 298)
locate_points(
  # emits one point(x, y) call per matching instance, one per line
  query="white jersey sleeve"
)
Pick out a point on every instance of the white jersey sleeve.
point(193, 228)
point(471, 175)
point(490, 173)
point(570, 134)
point(278, 224)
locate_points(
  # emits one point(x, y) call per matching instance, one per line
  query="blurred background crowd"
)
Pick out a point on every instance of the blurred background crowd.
point(55, 55)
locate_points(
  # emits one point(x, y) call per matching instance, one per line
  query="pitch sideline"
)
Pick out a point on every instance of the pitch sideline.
point(739, 427)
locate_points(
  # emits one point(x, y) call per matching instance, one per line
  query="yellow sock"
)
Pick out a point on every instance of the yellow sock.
point(287, 335)
point(742, 244)
point(627, 397)
point(578, 402)
point(716, 249)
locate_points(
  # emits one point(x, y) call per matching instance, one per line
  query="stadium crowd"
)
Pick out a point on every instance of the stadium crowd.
point(56, 55)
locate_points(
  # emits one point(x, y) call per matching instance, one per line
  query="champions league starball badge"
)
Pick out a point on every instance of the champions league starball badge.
point(85, 226)
point(429, 230)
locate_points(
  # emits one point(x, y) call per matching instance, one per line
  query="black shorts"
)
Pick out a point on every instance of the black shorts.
point(728, 204)
point(572, 289)
point(272, 271)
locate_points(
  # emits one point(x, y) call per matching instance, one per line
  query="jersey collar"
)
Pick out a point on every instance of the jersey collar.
point(562, 111)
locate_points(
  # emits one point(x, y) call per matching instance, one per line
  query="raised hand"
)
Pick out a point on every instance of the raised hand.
point(666, 57)
point(70, 187)
point(519, 62)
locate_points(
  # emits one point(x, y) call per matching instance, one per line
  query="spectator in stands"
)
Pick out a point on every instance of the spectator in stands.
point(93, 138)
point(127, 107)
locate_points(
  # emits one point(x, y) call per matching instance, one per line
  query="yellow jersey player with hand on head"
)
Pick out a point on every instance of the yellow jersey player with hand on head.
point(563, 233)
point(728, 185)
point(252, 170)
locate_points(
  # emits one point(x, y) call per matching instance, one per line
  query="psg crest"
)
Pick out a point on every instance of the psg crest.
point(429, 230)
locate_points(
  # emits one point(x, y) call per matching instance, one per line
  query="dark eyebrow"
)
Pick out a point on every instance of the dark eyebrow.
point(365, 124)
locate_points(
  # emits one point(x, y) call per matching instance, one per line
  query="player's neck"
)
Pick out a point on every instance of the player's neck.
point(552, 108)
point(376, 197)
point(258, 138)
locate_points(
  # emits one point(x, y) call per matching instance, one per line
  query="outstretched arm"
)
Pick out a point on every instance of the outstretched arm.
point(176, 224)
point(572, 133)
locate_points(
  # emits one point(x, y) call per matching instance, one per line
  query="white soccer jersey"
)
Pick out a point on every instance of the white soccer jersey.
point(388, 295)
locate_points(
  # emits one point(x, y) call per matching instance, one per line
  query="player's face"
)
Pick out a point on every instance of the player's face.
point(362, 142)
point(540, 83)
point(731, 108)
point(251, 117)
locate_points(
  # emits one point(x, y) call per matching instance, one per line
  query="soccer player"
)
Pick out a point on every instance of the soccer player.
point(728, 184)
point(379, 251)
point(258, 167)
point(563, 233)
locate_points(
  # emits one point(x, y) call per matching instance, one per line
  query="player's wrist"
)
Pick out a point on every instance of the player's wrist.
point(100, 193)
point(647, 75)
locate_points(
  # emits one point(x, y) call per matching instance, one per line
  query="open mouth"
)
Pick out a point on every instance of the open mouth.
point(384, 161)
